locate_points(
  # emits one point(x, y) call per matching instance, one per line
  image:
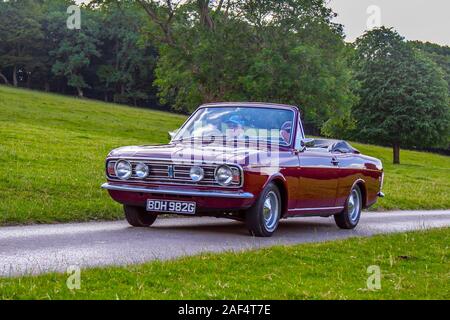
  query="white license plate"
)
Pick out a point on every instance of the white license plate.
point(169, 206)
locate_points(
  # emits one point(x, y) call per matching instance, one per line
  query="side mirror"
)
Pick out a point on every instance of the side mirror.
point(307, 143)
point(172, 134)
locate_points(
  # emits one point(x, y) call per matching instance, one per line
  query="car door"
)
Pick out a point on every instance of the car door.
point(318, 178)
point(319, 174)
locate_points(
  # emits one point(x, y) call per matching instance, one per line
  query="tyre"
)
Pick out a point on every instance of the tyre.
point(139, 217)
point(349, 218)
point(263, 217)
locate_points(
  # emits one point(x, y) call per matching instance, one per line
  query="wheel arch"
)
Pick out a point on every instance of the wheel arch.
point(362, 186)
point(281, 183)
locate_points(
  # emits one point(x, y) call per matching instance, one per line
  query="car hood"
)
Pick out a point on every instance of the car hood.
point(185, 152)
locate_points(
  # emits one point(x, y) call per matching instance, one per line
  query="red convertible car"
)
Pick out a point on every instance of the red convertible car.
point(245, 161)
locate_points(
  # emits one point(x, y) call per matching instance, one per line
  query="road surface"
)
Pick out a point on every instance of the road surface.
point(45, 248)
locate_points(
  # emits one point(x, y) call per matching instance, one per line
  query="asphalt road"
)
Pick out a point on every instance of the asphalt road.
point(45, 248)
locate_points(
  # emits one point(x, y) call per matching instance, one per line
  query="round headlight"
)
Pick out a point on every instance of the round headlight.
point(123, 170)
point(142, 170)
point(224, 175)
point(197, 174)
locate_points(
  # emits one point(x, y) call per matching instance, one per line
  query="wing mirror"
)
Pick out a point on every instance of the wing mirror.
point(307, 143)
point(303, 144)
point(172, 134)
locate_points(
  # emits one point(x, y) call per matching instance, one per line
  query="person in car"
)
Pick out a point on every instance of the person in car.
point(286, 131)
point(235, 127)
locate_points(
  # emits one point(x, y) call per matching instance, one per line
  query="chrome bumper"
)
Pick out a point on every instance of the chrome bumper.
point(211, 194)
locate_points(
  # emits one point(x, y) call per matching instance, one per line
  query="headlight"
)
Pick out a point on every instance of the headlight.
point(197, 174)
point(142, 170)
point(224, 175)
point(123, 170)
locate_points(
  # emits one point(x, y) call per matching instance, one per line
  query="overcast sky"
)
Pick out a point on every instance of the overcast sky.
point(426, 20)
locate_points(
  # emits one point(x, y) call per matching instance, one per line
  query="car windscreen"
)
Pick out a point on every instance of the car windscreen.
point(240, 123)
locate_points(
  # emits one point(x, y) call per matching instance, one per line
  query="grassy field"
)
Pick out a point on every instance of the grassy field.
point(52, 151)
point(421, 181)
point(332, 270)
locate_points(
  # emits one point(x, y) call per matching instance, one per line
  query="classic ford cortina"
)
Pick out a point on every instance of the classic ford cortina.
point(245, 161)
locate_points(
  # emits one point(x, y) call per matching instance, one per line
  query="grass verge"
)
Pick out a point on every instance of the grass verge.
point(413, 265)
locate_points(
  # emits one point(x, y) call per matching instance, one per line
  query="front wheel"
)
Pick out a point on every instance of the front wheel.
point(139, 217)
point(262, 219)
point(349, 218)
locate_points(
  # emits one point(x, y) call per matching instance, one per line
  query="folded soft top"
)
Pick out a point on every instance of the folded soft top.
point(335, 145)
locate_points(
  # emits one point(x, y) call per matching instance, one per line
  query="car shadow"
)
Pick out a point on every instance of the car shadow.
point(286, 228)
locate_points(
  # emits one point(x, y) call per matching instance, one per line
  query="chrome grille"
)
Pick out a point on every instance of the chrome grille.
point(160, 172)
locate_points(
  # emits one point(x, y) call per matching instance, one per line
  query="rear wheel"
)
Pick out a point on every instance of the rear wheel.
point(349, 218)
point(138, 216)
point(262, 219)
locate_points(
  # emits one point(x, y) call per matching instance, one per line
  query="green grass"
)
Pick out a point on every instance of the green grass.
point(52, 151)
point(413, 266)
point(421, 181)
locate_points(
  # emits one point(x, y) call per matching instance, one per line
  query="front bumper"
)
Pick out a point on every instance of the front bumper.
point(207, 200)
point(187, 193)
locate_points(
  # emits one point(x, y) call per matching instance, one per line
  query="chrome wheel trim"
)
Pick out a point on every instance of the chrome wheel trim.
point(271, 211)
point(354, 205)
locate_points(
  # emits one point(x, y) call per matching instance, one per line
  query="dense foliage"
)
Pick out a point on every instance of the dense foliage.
point(439, 54)
point(105, 59)
point(297, 56)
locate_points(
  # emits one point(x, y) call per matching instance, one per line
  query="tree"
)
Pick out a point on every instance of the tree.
point(203, 65)
point(439, 54)
point(127, 65)
point(2, 66)
point(20, 35)
point(74, 49)
point(265, 50)
point(300, 59)
point(53, 16)
point(403, 96)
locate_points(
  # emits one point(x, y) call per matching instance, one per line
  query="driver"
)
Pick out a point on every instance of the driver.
point(235, 127)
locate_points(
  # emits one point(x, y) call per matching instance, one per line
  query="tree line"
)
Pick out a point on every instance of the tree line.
point(107, 58)
point(177, 54)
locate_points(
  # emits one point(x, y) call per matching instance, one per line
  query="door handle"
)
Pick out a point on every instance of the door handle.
point(335, 161)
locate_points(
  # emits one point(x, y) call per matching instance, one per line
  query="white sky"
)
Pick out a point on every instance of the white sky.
point(425, 20)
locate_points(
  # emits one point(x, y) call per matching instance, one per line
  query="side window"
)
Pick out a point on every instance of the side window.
point(298, 137)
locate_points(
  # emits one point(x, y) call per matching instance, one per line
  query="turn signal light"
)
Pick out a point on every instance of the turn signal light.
point(110, 169)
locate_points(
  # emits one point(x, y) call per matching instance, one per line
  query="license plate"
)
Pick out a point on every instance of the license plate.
point(169, 206)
